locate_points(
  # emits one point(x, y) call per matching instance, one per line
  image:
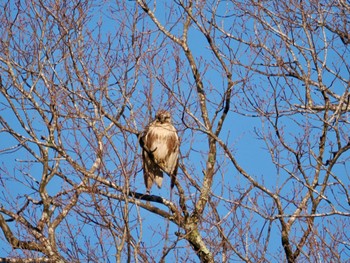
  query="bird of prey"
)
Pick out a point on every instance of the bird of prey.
point(160, 150)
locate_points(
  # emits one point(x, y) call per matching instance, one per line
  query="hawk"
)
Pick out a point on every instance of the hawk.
point(160, 150)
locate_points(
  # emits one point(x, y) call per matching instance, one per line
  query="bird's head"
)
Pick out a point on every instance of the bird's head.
point(163, 116)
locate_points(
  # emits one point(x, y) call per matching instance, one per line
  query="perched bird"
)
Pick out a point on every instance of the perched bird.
point(160, 150)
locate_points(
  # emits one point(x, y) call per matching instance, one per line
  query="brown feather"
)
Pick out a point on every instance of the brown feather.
point(160, 150)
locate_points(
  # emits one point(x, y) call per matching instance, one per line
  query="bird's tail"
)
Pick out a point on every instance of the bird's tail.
point(159, 180)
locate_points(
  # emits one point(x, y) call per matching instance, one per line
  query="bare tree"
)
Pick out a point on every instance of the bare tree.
point(259, 93)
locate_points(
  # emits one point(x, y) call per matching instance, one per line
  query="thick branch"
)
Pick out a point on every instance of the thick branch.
point(15, 242)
